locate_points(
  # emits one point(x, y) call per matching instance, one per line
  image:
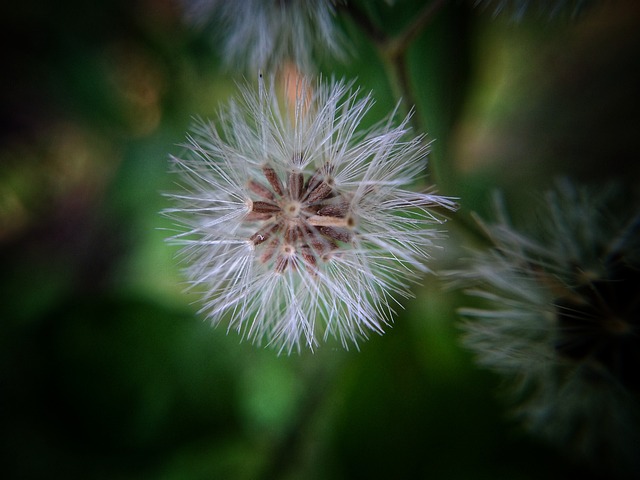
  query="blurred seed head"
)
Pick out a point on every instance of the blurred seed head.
point(560, 318)
point(264, 35)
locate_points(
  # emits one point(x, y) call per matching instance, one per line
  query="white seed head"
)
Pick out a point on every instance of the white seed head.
point(296, 225)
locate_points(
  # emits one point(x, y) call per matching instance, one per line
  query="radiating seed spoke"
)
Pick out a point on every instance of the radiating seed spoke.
point(321, 192)
point(255, 216)
point(273, 179)
point(314, 180)
point(265, 207)
point(334, 210)
point(296, 184)
point(269, 250)
point(265, 233)
point(261, 190)
point(340, 234)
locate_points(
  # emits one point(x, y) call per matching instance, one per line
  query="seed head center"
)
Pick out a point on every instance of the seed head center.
point(305, 220)
point(292, 208)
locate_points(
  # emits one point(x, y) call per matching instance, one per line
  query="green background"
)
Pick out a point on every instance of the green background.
point(106, 370)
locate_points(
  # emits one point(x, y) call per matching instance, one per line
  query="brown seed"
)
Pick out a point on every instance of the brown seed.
point(285, 260)
point(273, 179)
point(340, 234)
point(264, 233)
point(314, 180)
point(338, 210)
point(296, 185)
point(307, 233)
point(292, 233)
point(260, 189)
point(265, 207)
point(309, 259)
point(280, 263)
point(322, 191)
point(269, 250)
point(322, 245)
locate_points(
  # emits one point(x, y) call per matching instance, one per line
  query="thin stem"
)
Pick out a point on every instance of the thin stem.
point(398, 77)
point(374, 33)
point(469, 226)
point(315, 405)
point(393, 53)
point(400, 44)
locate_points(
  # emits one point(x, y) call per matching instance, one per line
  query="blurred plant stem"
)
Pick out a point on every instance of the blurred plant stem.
point(311, 419)
point(393, 52)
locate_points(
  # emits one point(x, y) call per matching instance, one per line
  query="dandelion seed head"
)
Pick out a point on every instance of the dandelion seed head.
point(560, 317)
point(297, 224)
